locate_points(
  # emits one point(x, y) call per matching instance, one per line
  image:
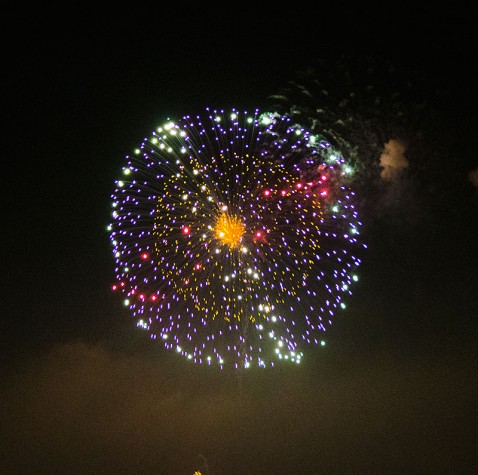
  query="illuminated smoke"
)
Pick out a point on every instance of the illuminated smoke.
point(473, 177)
point(393, 160)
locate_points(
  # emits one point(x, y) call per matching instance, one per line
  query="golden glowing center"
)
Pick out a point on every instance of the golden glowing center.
point(229, 230)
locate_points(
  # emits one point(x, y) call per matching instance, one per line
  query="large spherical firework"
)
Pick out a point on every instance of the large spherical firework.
point(234, 237)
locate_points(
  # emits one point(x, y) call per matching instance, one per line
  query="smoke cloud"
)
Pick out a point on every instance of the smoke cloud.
point(473, 177)
point(86, 409)
point(393, 160)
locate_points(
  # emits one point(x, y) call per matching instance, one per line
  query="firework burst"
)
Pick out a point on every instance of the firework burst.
point(235, 237)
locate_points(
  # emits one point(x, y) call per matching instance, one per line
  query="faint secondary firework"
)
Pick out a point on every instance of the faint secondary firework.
point(388, 122)
point(235, 237)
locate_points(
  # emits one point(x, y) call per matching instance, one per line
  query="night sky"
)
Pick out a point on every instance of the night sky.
point(85, 391)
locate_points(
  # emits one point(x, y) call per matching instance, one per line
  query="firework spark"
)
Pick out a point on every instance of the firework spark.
point(235, 238)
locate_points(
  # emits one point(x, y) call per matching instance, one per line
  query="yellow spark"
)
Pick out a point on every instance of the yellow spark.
point(229, 230)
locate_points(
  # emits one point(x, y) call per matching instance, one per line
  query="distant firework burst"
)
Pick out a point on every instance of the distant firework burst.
point(360, 103)
point(235, 238)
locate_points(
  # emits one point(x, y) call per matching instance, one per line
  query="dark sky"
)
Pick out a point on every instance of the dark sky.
point(85, 392)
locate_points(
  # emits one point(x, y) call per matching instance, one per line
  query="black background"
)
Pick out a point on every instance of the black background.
point(86, 392)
